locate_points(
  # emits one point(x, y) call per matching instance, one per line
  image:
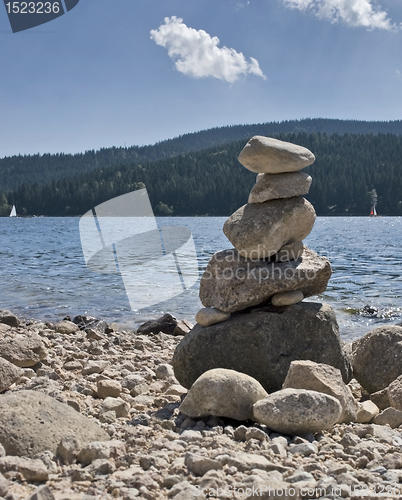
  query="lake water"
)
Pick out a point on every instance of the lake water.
point(43, 273)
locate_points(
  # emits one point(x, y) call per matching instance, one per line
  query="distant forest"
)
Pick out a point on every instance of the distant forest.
point(211, 181)
point(43, 169)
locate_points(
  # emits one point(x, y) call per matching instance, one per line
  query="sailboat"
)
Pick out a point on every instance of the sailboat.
point(13, 212)
point(373, 212)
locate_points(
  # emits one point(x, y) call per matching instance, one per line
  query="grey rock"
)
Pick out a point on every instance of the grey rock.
point(267, 155)
point(248, 461)
point(42, 493)
point(199, 464)
point(256, 433)
point(100, 450)
point(223, 393)
point(22, 350)
point(108, 388)
point(32, 422)
point(164, 371)
point(9, 374)
point(276, 186)
point(293, 251)
point(32, 470)
point(389, 416)
point(68, 449)
point(322, 378)
point(394, 392)
point(260, 230)
point(114, 404)
point(287, 298)
point(166, 324)
point(66, 327)
point(263, 344)
point(97, 366)
point(366, 412)
point(298, 476)
point(208, 316)
point(10, 319)
point(232, 283)
point(377, 358)
point(183, 327)
point(132, 381)
point(304, 449)
point(380, 399)
point(3, 485)
point(298, 411)
point(99, 467)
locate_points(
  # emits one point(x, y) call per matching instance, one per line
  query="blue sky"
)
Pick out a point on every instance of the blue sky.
point(125, 72)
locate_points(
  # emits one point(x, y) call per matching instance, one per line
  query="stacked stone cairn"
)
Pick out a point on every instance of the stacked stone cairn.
point(255, 320)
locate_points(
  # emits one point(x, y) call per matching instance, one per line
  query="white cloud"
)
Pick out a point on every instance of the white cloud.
point(351, 12)
point(197, 54)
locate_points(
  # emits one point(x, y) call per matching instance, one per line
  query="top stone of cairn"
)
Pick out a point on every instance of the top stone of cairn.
point(271, 156)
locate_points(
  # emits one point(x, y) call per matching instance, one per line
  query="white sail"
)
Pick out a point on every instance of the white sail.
point(374, 211)
point(13, 212)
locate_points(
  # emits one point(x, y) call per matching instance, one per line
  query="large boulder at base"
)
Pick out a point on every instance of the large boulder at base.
point(32, 422)
point(223, 393)
point(232, 283)
point(377, 358)
point(22, 350)
point(263, 344)
point(260, 230)
point(276, 186)
point(9, 374)
point(298, 411)
point(322, 378)
point(271, 156)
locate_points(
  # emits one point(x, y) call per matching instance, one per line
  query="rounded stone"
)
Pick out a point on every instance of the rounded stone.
point(287, 298)
point(223, 393)
point(260, 230)
point(271, 156)
point(377, 358)
point(298, 411)
point(208, 316)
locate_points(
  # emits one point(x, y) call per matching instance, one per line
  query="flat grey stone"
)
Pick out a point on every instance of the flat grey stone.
point(232, 283)
point(276, 186)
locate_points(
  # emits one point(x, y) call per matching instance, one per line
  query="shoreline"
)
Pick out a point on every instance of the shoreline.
point(124, 382)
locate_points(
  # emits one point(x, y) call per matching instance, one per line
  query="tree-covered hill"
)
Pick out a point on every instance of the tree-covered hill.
point(43, 169)
point(212, 181)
